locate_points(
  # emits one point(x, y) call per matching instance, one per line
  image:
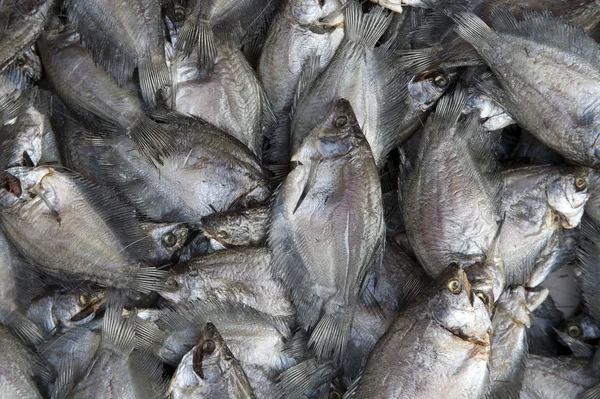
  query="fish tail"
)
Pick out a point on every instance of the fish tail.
point(472, 29)
point(304, 378)
point(118, 333)
point(366, 28)
point(187, 37)
point(207, 46)
point(64, 380)
point(24, 328)
point(150, 139)
point(154, 76)
point(330, 336)
point(148, 279)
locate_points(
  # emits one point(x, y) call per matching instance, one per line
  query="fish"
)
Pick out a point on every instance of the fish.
point(444, 339)
point(461, 224)
point(367, 76)
point(167, 240)
point(234, 99)
point(20, 367)
point(88, 89)
point(225, 173)
point(58, 205)
point(541, 335)
point(587, 265)
point(244, 276)
point(246, 227)
point(117, 369)
point(556, 377)
point(509, 341)
point(309, 33)
point(210, 370)
point(526, 58)
point(326, 233)
point(538, 201)
point(207, 23)
point(123, 36)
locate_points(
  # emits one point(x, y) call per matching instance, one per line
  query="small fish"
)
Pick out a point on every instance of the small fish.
point(443, 337)
point(326, 231)
point(247, 227)
point(210, 370)
point(123, 36)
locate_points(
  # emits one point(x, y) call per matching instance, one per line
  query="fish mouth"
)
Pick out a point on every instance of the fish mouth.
point(571, 220)
point(90, 310)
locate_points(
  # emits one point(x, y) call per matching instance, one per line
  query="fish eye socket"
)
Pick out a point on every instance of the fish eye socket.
point(172, 283)
point(341, 121)
point(169, 240)
point(179, 14)
point(335, 395)
point(580, 183)
point(454, 286)
point(20, 61)
point(441, 81)
point(83, 300)
point(208, 347)
point(574, 331)
point(222, 234)
point(482, 296)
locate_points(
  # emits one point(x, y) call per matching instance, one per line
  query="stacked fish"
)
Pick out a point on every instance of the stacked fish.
point(300, 199)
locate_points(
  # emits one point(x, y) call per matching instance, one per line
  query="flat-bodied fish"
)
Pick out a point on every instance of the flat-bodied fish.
point(326, 230)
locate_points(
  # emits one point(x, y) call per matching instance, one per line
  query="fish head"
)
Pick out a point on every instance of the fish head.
point(583, 328)
point(29, 64)
point(337, 135)
point(167, 240)
point(226, 229)
point(75, 308)
point(22, 182)
point(454, 306)
point(568, 193)
point(424, 90)
point(483, 280)
point(311, 12)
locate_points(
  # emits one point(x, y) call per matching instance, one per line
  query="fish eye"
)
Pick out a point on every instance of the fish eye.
point(169, 240)
point(580, 184)
point(335, 395)
point(20, 61)
point(83, 300)
point(574, 331)
point(222, 234)
point(172, 284)
point(482, 296)
point(454, 286)
point(179, 13)
point(441, 81)
point(208, 347)
point(341, 121)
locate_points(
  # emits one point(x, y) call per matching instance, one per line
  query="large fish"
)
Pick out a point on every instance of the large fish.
point(438, 346)
point(308, 32)
point(532, 60)
point(326, 230)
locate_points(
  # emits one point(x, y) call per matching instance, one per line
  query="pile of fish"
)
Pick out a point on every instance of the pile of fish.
point(300, 199)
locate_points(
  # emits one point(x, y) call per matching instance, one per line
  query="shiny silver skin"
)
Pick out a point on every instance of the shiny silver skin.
point(18, 367)
point(556, 377)
point(438, 346)
point(56, 205)
point(23, 143)
point(451, 199)
point(509, 342)
point(303, 29)
point(210, 370)
point(166, 240)
point(326, 231)
point(243, 275)
point(246, 227)
point(210, 171)
point(538, 201)
point(564, 117)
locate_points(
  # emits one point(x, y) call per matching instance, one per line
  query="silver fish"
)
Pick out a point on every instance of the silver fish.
point(88, 89)
point(444, 339)
point(524, 57)
point(56, 205)
point(243, 276)
point(538, 201)
point(461, 223)
point(210, 370)
point(309, 33)
point(167, 239)
point(123, 36)
point(325, 232)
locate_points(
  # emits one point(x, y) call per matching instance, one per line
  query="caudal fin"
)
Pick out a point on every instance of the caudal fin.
point(151, 139)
